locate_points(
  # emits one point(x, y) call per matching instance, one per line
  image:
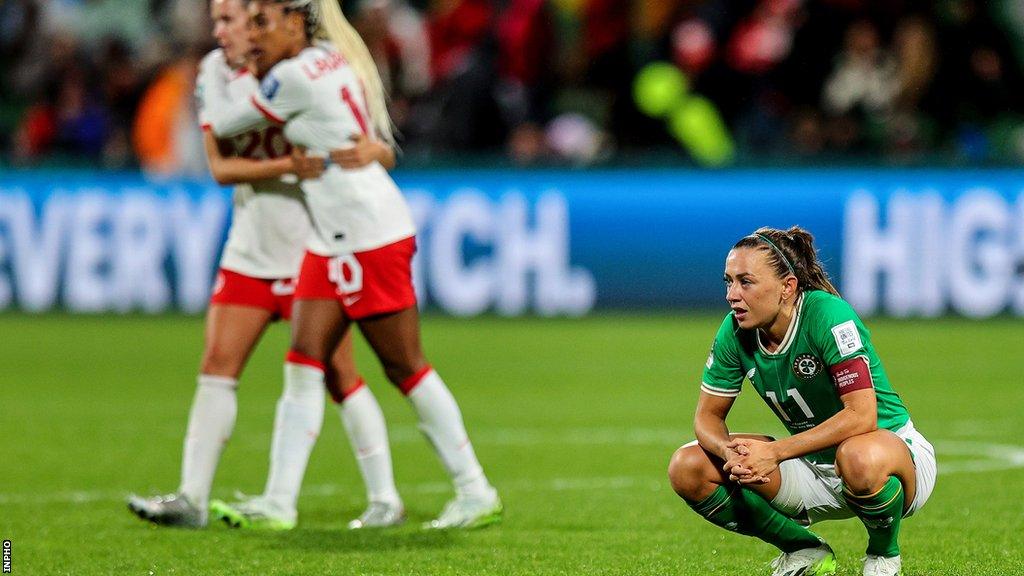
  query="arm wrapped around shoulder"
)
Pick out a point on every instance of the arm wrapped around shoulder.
point(852, 375)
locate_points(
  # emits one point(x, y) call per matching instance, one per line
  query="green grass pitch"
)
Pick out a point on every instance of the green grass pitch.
point(573, 420)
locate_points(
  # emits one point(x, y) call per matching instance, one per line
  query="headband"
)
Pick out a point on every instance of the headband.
point(789, 265)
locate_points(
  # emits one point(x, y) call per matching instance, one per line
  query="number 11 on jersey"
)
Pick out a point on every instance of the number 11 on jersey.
point(795, 395)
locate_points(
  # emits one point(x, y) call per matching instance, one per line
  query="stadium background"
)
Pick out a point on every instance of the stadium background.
point(578, 169)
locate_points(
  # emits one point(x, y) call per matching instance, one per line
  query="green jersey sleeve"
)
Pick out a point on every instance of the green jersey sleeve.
point(839, 334)
point(723, 373)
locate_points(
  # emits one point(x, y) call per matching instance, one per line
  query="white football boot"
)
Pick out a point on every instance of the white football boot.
point(379, 515)
point(469, 512)
point(882, 566)
point(169, 510)
point(254, 513)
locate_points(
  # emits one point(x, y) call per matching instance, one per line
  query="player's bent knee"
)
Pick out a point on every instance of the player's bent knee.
point(400, 373)
point(396, 374)
point(341, 388)
point(861, 465)
point(349, 383)
point(687, 470)
point(345, 375)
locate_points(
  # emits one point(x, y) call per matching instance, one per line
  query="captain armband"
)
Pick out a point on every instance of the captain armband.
point(852, 375)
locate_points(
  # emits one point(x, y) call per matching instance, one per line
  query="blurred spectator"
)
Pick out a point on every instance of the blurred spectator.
point(764, 39)
point(917, 60)
point(865, 76)
point(576, 139)
point(459, 112)
point(70, 119)
point(910, 130)
point(19, 34)
point(166, 134)
point(19, 41)
point(525, 40)
point(541, 81)
point(806, 133)
point(35, 135)
point(492, 78)
point(860, 90)
point(606, 59)
point(397, 37)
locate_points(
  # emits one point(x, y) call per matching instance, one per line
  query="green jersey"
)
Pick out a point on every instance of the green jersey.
point(801, 380)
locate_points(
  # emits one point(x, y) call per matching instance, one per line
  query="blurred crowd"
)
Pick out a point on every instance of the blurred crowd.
point(535, 82)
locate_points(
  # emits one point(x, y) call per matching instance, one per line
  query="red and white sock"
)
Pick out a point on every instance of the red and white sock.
point(297, 423)
point(441, 421)
point(210, 423)
point(368, 434)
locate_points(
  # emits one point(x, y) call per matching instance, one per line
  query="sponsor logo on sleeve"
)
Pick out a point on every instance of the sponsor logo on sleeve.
point(711, 357)
point(269, 87)
point(847, 338)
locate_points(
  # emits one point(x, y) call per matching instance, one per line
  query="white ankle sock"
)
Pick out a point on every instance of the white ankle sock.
point(297, 423)
point(441, 421)
point(210, 422)
point(368, 435)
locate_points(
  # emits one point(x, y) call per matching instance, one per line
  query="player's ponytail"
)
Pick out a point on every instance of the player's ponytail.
point(791, 252)
point(335, 28)
point(812, 273)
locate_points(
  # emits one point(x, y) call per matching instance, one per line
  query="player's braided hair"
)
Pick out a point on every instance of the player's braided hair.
point(311, 11)
point(791, 252)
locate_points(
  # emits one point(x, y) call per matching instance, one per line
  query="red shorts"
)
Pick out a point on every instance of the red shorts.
point(368, 283)
point(272, 295)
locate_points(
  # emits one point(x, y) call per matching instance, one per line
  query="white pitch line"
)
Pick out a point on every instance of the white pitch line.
point(996, 457)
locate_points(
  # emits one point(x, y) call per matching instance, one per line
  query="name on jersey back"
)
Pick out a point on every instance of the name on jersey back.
point(322, 66)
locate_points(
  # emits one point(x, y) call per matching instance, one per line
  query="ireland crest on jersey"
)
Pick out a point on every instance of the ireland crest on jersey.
point(806, 366)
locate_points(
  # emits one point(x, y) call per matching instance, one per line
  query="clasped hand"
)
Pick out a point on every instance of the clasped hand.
point(750, 461)
point(363, 151)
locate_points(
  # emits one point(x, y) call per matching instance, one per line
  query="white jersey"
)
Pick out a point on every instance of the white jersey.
point(270, 223)
point(319, 100)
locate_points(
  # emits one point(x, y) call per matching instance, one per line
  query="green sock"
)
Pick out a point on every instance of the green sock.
point(881, 513)
point(745, 512)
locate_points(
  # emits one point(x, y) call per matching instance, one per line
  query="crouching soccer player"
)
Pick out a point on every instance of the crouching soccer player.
point(853, 449)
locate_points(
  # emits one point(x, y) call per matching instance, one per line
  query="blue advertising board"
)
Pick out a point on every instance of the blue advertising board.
point(899, 242)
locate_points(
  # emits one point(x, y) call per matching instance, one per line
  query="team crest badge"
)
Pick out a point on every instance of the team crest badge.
point(269, 87)
point(806, 366)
